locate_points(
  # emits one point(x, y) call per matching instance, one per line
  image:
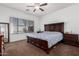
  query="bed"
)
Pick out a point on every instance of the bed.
point(52, 35)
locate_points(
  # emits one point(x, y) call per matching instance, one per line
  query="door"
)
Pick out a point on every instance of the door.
point(4, 29)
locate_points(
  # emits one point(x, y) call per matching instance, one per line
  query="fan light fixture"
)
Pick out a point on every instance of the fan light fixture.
point(36, 7)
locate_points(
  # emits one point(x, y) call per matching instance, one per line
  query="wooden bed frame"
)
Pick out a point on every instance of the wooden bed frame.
point(43, 44)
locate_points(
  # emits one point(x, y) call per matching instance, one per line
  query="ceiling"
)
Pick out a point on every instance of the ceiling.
point(51, 7)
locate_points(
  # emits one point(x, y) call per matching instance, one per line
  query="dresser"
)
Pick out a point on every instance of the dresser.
point(1, 38)
point(71, 39)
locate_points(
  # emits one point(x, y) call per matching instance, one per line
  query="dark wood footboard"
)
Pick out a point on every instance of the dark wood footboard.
point(43, 44)
point(39, 43)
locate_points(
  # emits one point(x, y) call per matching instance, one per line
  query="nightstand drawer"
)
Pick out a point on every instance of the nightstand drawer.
point(71, 37)
point(72, 43)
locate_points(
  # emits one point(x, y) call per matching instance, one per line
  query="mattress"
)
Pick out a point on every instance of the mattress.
point(51, 37)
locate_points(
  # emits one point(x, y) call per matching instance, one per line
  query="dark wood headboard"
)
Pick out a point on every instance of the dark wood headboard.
point(59, 27)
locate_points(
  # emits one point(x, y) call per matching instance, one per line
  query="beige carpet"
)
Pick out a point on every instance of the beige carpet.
point(22, 48)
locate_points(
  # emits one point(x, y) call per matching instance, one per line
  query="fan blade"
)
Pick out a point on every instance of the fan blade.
point(44, 4)
point(30, 6)
point(41, 9)
point(34, 10)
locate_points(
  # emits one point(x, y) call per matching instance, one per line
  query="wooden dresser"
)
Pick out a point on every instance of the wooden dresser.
point(1, 38)
point(71, 39)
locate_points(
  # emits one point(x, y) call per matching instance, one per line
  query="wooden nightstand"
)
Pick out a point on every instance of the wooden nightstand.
point(71, 39)
point(39, 31)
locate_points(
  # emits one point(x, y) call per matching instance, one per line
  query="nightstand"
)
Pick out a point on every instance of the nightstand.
point(39, 31)
point(71, 39)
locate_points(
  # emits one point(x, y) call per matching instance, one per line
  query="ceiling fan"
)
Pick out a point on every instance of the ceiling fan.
point(38, 6)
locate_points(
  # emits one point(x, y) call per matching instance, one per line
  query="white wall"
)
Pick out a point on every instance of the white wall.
point(69, 15)
point(6, 12)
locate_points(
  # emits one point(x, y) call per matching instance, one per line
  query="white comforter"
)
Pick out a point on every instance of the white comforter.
point(51, 37)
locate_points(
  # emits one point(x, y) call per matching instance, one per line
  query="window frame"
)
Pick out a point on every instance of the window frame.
point(25, 24)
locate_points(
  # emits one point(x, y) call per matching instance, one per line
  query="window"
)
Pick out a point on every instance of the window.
point(21, 25)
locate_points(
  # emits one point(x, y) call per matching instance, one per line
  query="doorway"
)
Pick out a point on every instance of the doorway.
point(4, 29)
